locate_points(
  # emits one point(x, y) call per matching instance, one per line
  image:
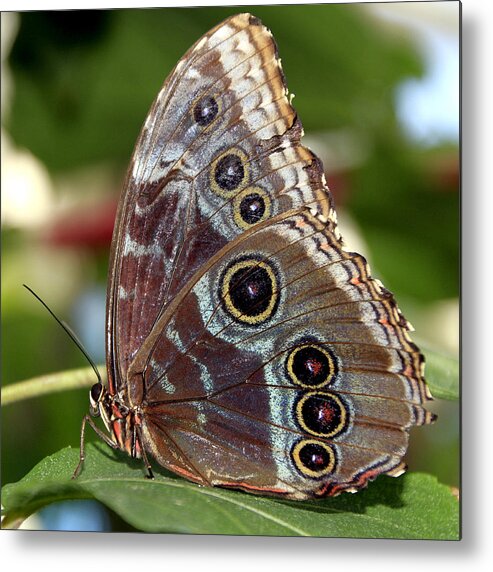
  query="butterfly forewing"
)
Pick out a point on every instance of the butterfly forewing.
point(218, 152)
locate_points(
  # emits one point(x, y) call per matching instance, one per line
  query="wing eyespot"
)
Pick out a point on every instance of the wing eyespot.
point(206, 109)
point(250, 206)
point(313, 459)
point(229, 173)
point(250, 290)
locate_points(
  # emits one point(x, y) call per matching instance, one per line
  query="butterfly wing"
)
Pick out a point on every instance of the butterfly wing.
point(298, 375)
point(259, 353)
point(219, 152)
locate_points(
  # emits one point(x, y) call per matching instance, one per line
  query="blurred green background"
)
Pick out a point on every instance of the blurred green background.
point(76, 87)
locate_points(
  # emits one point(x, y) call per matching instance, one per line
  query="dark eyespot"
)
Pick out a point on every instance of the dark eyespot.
point(323, 414)
point(313, 458)
point(205, 110)
point(252, 208)
point(311, 366)
point(249, 290)
point(229, 172)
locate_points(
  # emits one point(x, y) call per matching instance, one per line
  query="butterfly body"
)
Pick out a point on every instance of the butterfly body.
point(246, 347)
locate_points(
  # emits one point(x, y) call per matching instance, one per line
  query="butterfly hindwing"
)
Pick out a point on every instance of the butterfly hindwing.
point(286, 343)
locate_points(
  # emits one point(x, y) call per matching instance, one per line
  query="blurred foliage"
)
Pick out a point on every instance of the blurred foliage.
point(85, 79)
point(83, 82)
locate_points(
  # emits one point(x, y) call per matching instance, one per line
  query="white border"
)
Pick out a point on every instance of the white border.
point(91, 551)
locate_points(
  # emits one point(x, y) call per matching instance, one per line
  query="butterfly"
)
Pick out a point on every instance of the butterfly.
point(246, 347)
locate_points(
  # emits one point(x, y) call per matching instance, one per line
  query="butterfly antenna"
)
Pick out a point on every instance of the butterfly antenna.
point(69, 331)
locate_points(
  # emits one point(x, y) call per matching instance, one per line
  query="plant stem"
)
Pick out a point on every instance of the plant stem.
point(51, 383)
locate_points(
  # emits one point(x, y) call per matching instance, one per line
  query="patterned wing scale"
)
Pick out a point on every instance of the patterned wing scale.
point(246, 347)
point(219, 152)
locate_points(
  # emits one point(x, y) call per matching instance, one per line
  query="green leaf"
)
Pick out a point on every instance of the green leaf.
point(412, 506)
point(442, 374)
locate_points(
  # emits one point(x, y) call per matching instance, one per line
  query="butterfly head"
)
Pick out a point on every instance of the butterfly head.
point(101, 404)
point(95, 395)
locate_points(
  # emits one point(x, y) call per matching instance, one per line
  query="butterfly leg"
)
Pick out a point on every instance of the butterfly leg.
point(99, 433)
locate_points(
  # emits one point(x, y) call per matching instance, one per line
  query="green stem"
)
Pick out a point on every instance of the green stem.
point(51, 383)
